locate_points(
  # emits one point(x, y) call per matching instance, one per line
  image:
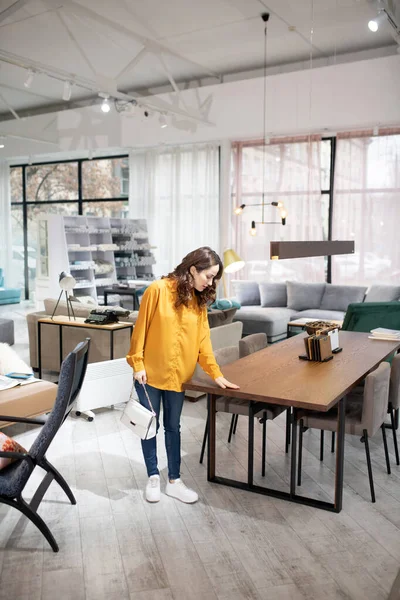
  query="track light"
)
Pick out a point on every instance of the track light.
point(239, 209)
point(163, 121)
point(278, 204)
point(373, 25)
point(2, 145)
point(105, 106)
point(253, 230)
point(29, 79)
point(67, 91)
point(283, 216)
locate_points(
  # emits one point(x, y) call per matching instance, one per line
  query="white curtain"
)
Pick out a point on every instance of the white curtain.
point(5, 223)
point(291, 170)
point(176, 190)
point(366, 207)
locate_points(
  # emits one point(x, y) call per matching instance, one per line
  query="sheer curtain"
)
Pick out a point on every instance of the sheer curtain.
point(176, 190)
point(291, 169)
point(5, 222)
point(366, 207)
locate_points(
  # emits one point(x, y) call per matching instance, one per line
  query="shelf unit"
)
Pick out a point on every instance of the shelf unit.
point(97, 251)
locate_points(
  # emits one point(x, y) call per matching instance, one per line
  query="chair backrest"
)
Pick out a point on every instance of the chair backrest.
point(252, 343)
point(364, 316)
point(375, 401)
point(223, 356)
point(72, 374)
point(394, 387)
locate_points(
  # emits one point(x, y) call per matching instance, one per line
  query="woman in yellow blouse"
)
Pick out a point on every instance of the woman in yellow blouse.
point(170, 336)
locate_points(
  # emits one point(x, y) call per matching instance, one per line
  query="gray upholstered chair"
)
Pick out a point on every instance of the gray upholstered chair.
point(394, 400)
point(237, 406)
point(363, 417)
point(15, 476)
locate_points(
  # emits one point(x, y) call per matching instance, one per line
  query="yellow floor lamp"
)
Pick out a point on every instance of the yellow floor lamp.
point(232, 263)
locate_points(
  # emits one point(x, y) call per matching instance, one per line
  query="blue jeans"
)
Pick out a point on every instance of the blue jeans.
point(172, 406)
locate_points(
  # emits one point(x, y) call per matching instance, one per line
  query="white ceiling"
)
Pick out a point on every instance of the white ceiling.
point(194, 39)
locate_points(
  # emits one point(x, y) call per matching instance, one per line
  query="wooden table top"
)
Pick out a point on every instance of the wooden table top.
point(277, 375)
point(80, 322)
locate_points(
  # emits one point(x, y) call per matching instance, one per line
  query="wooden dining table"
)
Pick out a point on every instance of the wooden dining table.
point(276, 375)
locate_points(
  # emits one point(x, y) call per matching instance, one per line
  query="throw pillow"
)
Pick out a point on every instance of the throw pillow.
point(273, 294)
point(224, 304)
point(247, 292)
point(302, 296)
point(7, 444)
point(383, 293)
point(338, 297)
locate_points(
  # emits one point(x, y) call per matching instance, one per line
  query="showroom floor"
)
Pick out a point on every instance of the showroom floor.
point(230, 545)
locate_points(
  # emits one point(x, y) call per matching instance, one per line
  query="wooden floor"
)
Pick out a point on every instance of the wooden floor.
point(230, 545)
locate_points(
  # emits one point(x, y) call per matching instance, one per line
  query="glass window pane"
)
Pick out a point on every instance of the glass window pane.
point(117, 209)
point(16, 184)
point(17, 229)
point(67, 209)
point(105, 178)
point(46, 183)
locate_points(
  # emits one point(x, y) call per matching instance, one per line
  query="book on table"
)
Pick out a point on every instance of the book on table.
point(382, 333)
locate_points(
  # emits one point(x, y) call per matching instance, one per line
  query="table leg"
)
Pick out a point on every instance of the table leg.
point(112, 345)
point(293, 453)
point(340, 455)
point(105, 298)
point(39, 351)
point(61, 345)
point(250, 458)
point(211, 404)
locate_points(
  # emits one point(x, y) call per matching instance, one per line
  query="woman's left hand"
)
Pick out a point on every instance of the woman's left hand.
point(224, 383)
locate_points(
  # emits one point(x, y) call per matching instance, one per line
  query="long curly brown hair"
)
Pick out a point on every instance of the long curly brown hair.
point(202, 258)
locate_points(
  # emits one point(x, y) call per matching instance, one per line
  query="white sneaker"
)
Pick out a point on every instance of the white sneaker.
point(179, 490)
point(153, 492)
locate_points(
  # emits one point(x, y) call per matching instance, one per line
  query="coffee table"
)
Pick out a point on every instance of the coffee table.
point(275, 375)
point(302, 323)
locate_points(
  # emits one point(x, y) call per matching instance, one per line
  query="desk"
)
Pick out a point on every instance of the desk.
point(62, 321)
point(275, 375)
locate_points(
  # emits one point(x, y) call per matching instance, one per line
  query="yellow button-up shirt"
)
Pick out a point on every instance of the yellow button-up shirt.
point(168, 342)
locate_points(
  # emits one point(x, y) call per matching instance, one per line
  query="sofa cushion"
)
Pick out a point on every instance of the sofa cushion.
point(247, 292)
point(304, 295)
point(319, 314)
point(270, 320)
point(273, 294)
point(338, 297)
point(383, 293)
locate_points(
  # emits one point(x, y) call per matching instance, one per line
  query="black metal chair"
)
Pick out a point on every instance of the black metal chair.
point(15, 476)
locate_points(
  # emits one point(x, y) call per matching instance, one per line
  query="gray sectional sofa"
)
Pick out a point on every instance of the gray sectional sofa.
point(268, 307)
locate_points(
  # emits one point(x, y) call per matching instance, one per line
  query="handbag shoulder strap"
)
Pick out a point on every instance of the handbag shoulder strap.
point(146, 394)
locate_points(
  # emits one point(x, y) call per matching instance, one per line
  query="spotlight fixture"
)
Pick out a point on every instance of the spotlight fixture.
point(163, 121)
point(239, 209)
point(105, 107)
point(29, 79)
point(67, 91)
point(283, 216)
point(373, 24)
point(253, 230)
point(1, 145)
point(278, 204)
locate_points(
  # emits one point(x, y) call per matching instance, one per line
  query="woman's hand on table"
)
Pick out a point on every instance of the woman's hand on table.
point(225, 384)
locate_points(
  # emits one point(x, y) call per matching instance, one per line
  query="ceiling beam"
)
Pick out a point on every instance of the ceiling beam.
point(7, 12)
point(76, 43)
point(151, 101)
point(132, 64)
point(78, 9)
point(10, 108)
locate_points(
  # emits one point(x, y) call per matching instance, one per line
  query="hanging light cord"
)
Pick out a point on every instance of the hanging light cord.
point(265, 17)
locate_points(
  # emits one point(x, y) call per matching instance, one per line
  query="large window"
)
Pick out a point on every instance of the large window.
point(295, 174)
point(367, 207)
point(90, 187)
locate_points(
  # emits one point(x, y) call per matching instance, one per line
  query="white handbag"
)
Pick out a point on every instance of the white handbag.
point(138, 418)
